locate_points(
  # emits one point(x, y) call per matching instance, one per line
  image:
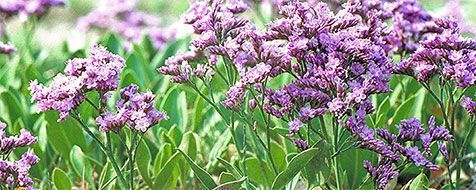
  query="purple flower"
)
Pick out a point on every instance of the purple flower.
point(382, 174)
point(235, 96)
point(415, 155)
point(295, 125)
point(410, 129)
point(15, 173)
point(7, 48)
point(27, 7)
point(98, 72)
point(301, 144)
point(122, 17)
point(135, 110)
point(469, 105)
point(368, 141)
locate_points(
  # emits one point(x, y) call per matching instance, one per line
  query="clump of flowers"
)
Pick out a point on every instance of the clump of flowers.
point(7, 48)
point(10, 8)
point(135, 110)
point(218, 27)
point(15, 173)
point(412, 144)
point(122, 17)
point(98, 72)
point(447, 54)
point(335, 62)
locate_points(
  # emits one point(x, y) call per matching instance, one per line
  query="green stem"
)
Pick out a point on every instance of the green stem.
point(131, 164)
point(336, 148)
point(103, 148)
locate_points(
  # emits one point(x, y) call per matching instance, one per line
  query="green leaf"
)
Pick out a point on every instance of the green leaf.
point(190, 145)
point(81, 165)
point(63, 136)
point(174, 104)
point(261, 174)
point(230, 167)
point(421, 182)
point(13, 105)
point(367, 184)
point(162, 157)
point(231, 185)
point(202, 175)
point(143, 161)
point(105, 175)
point(410, 108)
point(162, 179)
point(61, 179)
point(226, 177)
point(279, 156)
point(318, 170)
point(294, 166)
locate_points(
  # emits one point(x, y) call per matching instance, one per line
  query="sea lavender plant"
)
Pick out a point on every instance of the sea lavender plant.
point(336, 61)
point(99, 72)
point(340, 62)
point(411, 145)
point(445, 62)
point(14, 174)
point(123, 18)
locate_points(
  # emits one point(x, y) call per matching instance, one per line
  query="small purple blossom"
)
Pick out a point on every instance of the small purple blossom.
point(27, 7)
point(301, 144)
point(382, 174)
point(295, 125)
point(135, 110)
point(469, 105)
point(15, 173)
point(415, 155)
point(410, 129)
point(7, 48)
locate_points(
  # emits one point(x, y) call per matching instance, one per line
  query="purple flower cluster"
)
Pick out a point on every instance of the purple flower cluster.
point(135, 110)
point(469, 105)
point(220, 32)
point(447, 54)
point(411, 142)
point(408, 21)
point(15, 173)
point(10, 8)
point(7, 48)
point(98, 72)
point(122, 17)
point(341, 61)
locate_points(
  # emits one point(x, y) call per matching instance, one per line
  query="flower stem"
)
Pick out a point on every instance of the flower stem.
point(103, 148)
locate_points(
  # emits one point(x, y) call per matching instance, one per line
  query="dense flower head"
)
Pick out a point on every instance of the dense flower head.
point(411, 142)
point(122, 17)
point(469, 105)
point(27, 7)
point(339, 61)
point(7, 48)
point(97, 72)
point(8, 144)
point(410, 129)
point(383, 173)
point(136, 110)
point(15, 173)
point(408, 22)
point(447, 54)
point(220, 32)
point(301, 144)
